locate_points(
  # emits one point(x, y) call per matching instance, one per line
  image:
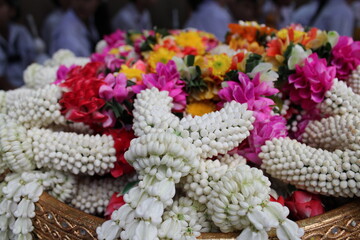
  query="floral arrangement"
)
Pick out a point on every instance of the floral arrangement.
point(160, 111)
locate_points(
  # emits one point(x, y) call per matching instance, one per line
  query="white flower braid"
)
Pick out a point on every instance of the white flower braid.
point(335, 132)
point(339, 100)
point(92, 195)
point(18, 195)
point(354, 80)
point(315, 170)
point(165, 153)
point(67, 58)
point(35, 108)
point(38, 76)
point(67, 151)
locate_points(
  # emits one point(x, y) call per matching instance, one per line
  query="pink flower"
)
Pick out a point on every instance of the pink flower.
point(115, 87)
point(113, 63)
point(345, 56)
point(110, 121)
point(274, 127)
point(253, 92)
point(167, 78)
point(304, 205)
point(310, 82)
point(116, 201)
point(62, 73)
point(117, 38)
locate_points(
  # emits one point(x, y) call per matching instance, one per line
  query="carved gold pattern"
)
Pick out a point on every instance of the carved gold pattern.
point(56, 220)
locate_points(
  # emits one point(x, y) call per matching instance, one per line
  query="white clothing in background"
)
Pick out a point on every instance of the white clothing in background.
point(336, 15)
point(211, 17)
point(129, 18)
point(16, 54)
point(73, 34)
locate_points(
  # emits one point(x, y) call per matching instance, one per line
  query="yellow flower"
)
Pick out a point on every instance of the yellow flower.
point(131, 73)
point(160, 55)
point(191, 39)
point(114, 51)
point(220, 64)
point(200, 108)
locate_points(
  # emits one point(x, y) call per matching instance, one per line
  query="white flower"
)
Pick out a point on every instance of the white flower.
point(248, 234)
point(222, 48)
point(170, 229)
point(333, 38)
point(108, 230)
point(261, 219)
point(165, 189)
point(33, 190)
point(145, 231)
point(25, 209)
point(289, 230)
point(297, 56)
point(26, 236)
point(22, 225)
point(150, 209)
point(266, 72)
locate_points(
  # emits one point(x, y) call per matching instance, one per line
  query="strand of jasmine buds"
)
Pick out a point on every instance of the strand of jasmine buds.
point(2, 102)
point(240, 201)
point(185, 219)
point(37, 76)
point(339, 100)
point(76, 127)
point(198, 184)
point(92, 195)
point(335, 132)
point(218, 132)
point(72, 152)
point(152, 112)
point(36, 108)
point(17, 203)
point(64, 187)
point(232, 160)
point(15, 146)
point(161, 159)
point(354, 80)
point(67, 58)
point(315, 170)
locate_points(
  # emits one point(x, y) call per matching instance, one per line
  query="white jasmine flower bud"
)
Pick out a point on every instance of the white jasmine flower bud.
point(145, 231)
point(109, 230)
point(289, 230)
point(25, 209)
point(22, 226)
point(150, 209)
point(248, 234)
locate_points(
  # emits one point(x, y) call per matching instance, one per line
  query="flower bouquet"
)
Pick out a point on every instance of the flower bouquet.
point(170, 134)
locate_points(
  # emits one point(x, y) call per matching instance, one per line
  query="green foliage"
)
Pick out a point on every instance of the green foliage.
point(195, 84)
point(253, 60)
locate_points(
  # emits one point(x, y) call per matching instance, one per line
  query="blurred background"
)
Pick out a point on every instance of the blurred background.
point(31, 31)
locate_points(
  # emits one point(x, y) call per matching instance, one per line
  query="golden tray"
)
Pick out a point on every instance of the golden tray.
point(56, 220)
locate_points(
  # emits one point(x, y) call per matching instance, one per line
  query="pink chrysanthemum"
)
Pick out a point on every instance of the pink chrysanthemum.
point(167, 78)
point(274, 127)
point(253, 92)
point(345, 56)
point(310, 82)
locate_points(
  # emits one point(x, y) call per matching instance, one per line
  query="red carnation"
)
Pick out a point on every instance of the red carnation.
point(115, 203)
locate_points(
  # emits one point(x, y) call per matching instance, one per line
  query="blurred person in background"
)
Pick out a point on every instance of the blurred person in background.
point(134, 15)
point(278, 13)
point(246, 10)
point(17, 49)
point(210, 15)
point(76, 30)
point(327, 15)
point(53, 19)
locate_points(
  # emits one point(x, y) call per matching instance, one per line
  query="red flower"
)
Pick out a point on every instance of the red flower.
point(304, 205)
point(279, 199)
point(81, 102)
point(122, 139)
point(116, 201)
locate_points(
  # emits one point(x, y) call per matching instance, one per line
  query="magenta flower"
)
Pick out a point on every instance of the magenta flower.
point(115, 87)
point(117, 38)
point(310, 82)
point(253, 92)
point(167, 78)
point(345, 56)
point(111, 119)
point(62, 73)
point(113, 63)
point(274, 127)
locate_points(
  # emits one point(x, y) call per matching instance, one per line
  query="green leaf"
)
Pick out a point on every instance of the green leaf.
point(147, 45)
point(129, 186)
point(232, 75)
point(190, 60)
point(253, 60)
point(130, 83)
